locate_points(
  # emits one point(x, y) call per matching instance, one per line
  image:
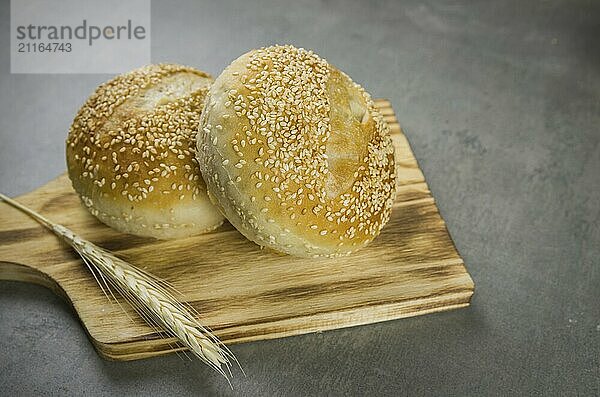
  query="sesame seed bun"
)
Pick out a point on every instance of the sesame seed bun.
point(295, 154)
point(131, 153)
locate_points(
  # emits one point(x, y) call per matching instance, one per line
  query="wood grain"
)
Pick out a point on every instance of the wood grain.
point(244, 293)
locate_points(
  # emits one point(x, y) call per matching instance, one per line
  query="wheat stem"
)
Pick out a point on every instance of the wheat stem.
point(152, 298)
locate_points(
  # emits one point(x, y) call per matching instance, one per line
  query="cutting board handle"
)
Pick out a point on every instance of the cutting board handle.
point(10, 271)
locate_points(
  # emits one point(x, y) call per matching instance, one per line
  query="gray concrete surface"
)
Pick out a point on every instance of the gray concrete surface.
point(501, 103)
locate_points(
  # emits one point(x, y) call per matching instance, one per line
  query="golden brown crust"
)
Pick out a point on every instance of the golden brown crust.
point(131, 153)
point(295, 154)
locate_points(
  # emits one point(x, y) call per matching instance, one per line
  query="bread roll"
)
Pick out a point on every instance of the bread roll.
point(295, 154)
point(131, 153)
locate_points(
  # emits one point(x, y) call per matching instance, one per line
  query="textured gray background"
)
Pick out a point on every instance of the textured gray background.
point(501, 103)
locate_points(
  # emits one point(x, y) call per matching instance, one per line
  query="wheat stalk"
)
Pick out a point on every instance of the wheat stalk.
point(151, 297)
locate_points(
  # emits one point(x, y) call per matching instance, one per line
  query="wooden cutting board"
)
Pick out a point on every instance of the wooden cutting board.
point(242, 292)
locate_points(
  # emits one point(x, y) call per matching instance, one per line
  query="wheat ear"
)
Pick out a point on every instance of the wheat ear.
point(151, 297)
